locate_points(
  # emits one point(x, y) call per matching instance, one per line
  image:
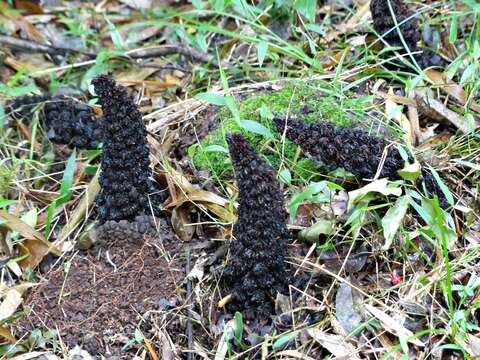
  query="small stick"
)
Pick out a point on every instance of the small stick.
point(160, 50)
point(189, 309)
point(28, 45)
point(223, 302)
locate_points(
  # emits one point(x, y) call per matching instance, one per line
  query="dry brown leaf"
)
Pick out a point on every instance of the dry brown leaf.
point(336, 344)
point(433, 108)
point(35, 246)
point(13, 223)
point(189, 193)
point(399, 117)
point(7, 335)
point(390, 346)
point(413, 117)
point(357, 22)
point(395, 98)
point(198, 195)
point(169, 81)
point(133, 75)
point(37, 355)
point(34, 252)
point(167, 346)
point(180, 221)
point(12, 300)
point(29, 7)
point(29, 29)
point(151, 350)
point(393, 326)
point(451, 88)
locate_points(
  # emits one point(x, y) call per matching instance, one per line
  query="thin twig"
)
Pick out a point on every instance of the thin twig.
point(161, 50)
point(33, 46)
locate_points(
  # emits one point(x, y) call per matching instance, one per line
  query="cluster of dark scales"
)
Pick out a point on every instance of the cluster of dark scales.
point(66, 121)
point(125, 177)
point(124, 232)
point(354, 150)
point(256, 269)
point(384, 25)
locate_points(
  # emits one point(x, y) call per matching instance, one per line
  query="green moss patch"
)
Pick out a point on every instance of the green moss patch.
point(309, 102)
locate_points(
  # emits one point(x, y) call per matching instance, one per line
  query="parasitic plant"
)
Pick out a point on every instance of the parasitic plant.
point(256, 268)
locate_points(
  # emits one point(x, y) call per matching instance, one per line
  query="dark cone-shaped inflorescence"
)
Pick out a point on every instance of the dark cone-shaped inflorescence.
point(65, 120)
point(384, 25)
point(256, 270)
point(126, 176)
point(354, 150)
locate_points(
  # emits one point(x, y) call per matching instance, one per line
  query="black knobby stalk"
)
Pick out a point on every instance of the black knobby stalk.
point(354, 150)
point(386, 26)
point(125, 177)
point(256, 268)
point(65, 120)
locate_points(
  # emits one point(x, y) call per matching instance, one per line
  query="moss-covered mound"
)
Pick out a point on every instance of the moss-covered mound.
point(310, 102)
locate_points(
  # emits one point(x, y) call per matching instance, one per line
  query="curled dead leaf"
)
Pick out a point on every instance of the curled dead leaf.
point(34, 247)
point(181, 223)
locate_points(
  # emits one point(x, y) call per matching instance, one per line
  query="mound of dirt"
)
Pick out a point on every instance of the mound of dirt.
point(102, 299)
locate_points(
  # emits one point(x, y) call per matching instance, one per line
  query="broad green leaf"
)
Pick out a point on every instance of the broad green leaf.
point(265, 112)
point(6, 202)
point(67, 179)
point(284, 340)
point(201, 41)
point(321, 227)
point(199, 5)
point(15, 91)
point(262, 49)
point(378, 186)
point(285, 176)
point(238, 328)
point(439, 223)
point(411, 172)
point(219, 5)
point(2, 116)
point(308, 8)
point(468, 164)
point(138, 336)
point(232, 106)
point(393, 219)
point(212, 98)
point(256, 127)
point(316, 28)
point(453, 30)
point(308, 194)
point(215, 148)
point(115, 35)
point(469, 73)
point(30, 217)
point(443, 187)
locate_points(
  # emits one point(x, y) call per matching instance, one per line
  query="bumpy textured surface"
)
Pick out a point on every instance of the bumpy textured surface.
point(384, 25)
point(353, 150)
point(256, 270)
point(65, 121)
point(127, 232)
point(126, 177)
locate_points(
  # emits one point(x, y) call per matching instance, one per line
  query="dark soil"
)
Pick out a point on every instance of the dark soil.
point(100, 308)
